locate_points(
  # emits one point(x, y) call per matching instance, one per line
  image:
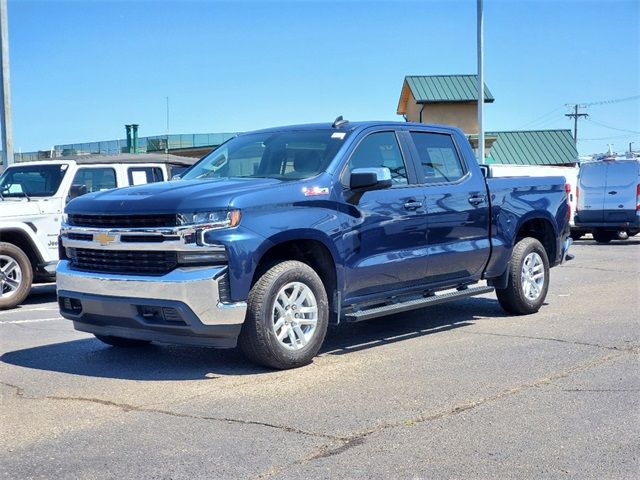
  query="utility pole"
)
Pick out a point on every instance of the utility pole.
point(5, 89)
point(480, 82)
point(575, 116)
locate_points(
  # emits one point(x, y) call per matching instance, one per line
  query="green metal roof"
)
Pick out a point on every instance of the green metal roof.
point(534, 147)
point(446, 88)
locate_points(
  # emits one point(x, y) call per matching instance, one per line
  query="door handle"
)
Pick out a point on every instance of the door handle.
point(612, 192)
point(412, 205)
point(476, 199)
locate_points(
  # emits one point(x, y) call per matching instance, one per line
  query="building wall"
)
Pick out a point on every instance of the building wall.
point(461, 115)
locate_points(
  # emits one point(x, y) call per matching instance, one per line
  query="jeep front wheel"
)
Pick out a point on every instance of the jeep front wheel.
point(287, 316)
point(16, 275)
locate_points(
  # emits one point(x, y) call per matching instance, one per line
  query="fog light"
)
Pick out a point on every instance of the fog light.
point(202, 258)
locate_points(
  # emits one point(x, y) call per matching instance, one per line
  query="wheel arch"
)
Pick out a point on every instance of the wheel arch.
point(23, 239)
point(311, 249)
point(543, 229)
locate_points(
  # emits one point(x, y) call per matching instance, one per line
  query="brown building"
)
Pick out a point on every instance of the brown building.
point(444, 99)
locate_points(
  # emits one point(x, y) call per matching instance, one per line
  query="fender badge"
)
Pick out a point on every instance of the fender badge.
point(315, 191)
point(104, 238)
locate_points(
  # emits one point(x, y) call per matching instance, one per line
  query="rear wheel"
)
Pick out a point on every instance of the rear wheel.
point(122, 342)
point(528, 278)
point(622, 235)
point(287, 317)
point(603, 236)
point(16, 275)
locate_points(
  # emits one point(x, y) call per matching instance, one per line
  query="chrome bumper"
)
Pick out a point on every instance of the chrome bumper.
point(196, 287)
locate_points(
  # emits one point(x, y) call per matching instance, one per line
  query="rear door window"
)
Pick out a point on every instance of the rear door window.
point(143, 175)
point(95, 179)
point(438, 157)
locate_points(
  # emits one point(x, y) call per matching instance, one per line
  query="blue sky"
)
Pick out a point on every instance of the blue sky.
point(80, 70)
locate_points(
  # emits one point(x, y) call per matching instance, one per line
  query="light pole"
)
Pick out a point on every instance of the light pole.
point(480, 83)
point(5, 90)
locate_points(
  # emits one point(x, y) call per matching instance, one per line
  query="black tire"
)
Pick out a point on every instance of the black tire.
point(514, 298)
point(603, 236)
point(577, 234)
point(122, 342)
point(15, 282)
point(622, 235)
point(258, 339)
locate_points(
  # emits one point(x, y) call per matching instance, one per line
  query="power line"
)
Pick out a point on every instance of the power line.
point(542, 118)
point(605, 138)
point(615, 100)
point(613, 128)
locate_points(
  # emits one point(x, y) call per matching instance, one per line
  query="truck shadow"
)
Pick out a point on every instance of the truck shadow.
point(90, 357)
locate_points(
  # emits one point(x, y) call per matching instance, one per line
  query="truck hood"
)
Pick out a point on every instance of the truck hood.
point(169, 197)
point(20, 208)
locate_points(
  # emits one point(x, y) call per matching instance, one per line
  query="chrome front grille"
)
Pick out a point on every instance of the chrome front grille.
point(130, 262)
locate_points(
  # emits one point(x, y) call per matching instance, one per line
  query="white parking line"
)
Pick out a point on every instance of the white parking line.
point(36, 309)
point(35, 320)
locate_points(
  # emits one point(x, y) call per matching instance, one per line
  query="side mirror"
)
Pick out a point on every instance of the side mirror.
point(370, 178)
point(76, 191)
point(177, 176)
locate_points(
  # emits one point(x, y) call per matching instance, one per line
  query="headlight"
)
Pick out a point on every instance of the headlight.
point(211, 220)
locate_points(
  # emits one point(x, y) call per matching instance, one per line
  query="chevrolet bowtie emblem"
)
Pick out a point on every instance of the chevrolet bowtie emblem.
point(104, 238)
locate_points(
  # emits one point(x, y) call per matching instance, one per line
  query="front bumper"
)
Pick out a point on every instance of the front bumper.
point(184, 306)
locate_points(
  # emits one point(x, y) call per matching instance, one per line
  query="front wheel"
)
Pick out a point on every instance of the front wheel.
point(16, 275)
point(287, 317)
point(528, 278)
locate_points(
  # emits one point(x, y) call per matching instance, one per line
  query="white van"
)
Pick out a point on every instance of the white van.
point(33, 196)
point(609, 198)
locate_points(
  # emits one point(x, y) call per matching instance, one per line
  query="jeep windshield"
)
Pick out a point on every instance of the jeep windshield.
point(32, 180)
point(290, 155)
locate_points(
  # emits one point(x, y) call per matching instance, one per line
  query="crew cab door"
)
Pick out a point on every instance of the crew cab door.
point(383, 235)
point(457, 209)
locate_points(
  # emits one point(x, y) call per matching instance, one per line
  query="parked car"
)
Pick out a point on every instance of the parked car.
point(279, 232)
point(609, 198)
point(33, 196)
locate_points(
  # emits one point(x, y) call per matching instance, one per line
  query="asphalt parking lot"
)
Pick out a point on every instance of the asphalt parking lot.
point(456, 391)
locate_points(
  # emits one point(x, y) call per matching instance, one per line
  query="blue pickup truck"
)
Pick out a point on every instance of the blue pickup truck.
point(278, 233)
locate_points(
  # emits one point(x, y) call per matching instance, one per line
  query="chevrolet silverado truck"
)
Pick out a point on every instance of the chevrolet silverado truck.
point(278, 233)
point(32, 199)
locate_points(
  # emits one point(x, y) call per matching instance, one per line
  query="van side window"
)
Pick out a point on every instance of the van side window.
point(143, 175)
point(95, 179)
point(438, 156)
point(380, 150)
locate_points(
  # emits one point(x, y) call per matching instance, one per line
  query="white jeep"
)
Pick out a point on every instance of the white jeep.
point(32, 199)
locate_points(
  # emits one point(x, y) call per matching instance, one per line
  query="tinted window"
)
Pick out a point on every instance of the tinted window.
point(438, 156)
point(380, 150)
point(95, 179)
point(142, 175)
point(32, 180)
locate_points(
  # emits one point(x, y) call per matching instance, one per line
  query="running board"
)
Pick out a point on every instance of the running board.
point(361, 315)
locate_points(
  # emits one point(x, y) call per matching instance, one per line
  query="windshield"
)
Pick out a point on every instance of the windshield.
point(289, 155)
point(32, 180)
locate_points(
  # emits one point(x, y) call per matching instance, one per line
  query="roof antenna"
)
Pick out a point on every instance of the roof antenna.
point(339, 122)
